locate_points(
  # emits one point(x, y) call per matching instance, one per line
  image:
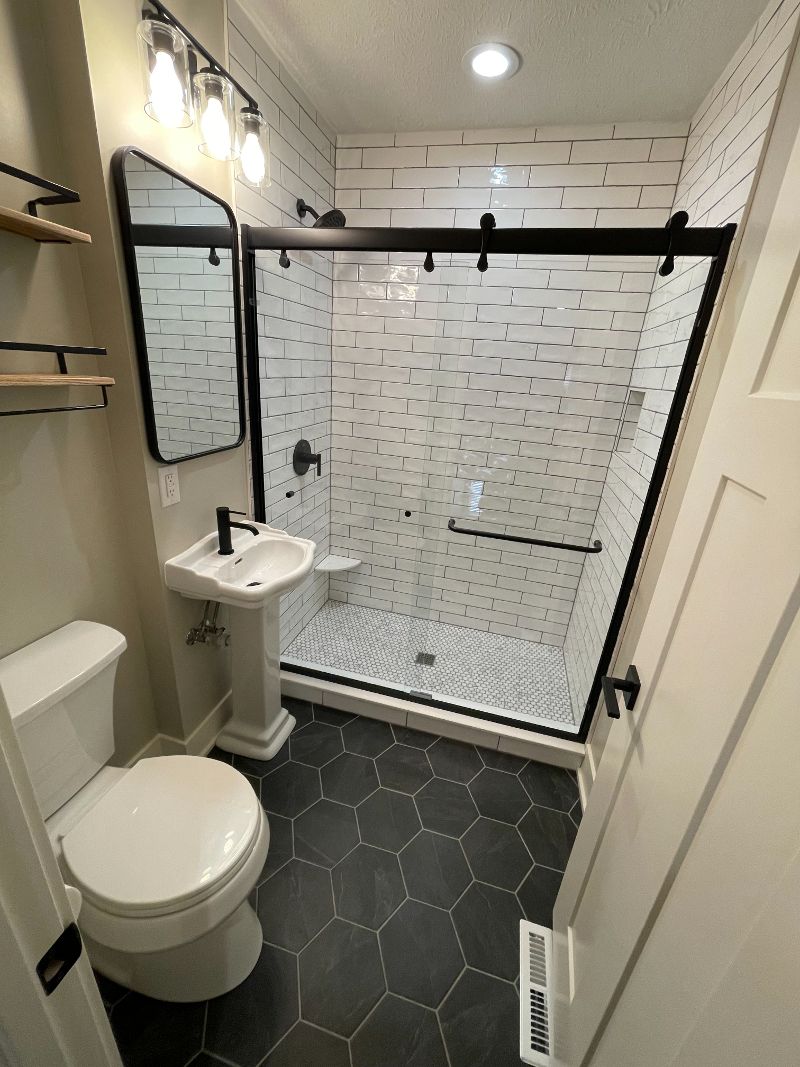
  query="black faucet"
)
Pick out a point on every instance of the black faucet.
point(224, 526)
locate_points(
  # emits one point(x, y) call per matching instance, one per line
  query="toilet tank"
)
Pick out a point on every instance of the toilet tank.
point(60, 693)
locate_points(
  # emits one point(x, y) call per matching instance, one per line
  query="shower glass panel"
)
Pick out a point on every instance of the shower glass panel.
point(481, 434)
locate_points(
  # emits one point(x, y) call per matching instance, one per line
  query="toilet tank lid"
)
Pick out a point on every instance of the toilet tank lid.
point(41, 674)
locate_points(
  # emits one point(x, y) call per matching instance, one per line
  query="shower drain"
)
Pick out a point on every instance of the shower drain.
point(427, 659)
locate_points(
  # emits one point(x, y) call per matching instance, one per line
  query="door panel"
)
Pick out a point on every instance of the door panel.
point(720, 612)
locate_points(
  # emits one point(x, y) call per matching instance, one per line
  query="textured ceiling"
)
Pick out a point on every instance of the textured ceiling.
point(396, 64)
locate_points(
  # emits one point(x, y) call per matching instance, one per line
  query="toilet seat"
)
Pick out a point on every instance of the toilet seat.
point(173, 831)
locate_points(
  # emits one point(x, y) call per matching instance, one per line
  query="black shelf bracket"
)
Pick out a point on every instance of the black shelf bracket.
point(60, 352)
point(61, 194)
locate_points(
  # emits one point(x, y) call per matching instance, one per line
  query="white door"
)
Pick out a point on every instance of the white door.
point(725, 601)
point(69, 1027)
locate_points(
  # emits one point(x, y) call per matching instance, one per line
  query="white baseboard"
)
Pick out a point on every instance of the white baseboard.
point(482, 732)
point(198, 743)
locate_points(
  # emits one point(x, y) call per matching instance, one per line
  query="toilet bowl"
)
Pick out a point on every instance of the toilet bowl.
point(164, 853)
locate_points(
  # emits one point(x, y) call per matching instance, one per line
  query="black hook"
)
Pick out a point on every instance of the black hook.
point(487, 225)
point(284, 260)
point(677, 222)
point(213, 258)
point(428, 264)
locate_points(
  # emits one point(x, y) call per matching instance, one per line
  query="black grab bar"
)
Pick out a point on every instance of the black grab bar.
point(596, 546)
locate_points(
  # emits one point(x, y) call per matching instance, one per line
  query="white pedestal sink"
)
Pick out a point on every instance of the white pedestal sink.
point(250, 581)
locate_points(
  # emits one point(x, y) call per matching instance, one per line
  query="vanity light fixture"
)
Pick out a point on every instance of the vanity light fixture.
point(169, 53)
point(492, 62)
point(165, 66)
point(216, 116)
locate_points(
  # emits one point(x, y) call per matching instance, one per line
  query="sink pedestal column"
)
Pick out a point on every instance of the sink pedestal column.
point(259, 725)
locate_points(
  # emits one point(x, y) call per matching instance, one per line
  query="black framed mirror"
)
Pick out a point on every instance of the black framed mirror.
point(182, 259)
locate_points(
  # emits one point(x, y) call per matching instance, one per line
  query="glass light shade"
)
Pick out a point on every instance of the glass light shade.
point(165, 69)
point(253, 167)
point(216, 116)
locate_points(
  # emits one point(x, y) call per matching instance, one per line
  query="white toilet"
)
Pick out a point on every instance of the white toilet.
point(164, 853)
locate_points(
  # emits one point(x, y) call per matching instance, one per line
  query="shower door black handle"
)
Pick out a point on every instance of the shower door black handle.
point(629, 685)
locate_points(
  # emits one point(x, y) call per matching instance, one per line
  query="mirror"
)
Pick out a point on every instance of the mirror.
point(182, 259)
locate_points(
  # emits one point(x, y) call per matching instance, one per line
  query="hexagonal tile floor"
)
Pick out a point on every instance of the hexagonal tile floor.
point(399, 868)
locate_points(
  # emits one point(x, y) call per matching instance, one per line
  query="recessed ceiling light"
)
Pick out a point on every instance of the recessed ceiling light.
point(492, 62)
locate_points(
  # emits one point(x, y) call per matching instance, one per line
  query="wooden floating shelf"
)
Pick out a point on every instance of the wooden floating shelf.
point(28, 380)
point(40, 229)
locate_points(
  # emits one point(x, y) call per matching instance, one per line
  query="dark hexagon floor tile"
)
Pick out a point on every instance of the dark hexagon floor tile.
point(154, 1031)
point(316, 744)
point(454, 760)
point(399, 1034)
point(502, 761)
point(306, 1046)
point(291, 789)
point(205, 1059)
point(368, 886)
point(499, 795)
point(435, 869)
point(480, 1022)
point(243, 1025)
point(281, 846)
point(367, 737)
point(302, 710)
point(421, 954)
point(549, 836)
point(576, 813)
point(341, 977)
point(551, 787)
point(487, 923)
point(111, 992)
point(332, 717)
point(538, 893)
point(325, 833)
point(445, 807)
point(257, 768)
point(349, 778)
point(403, 768)
point(221, 755)
point(388, 820)
point(496, 854)
point(404, 735)
point(295, 904)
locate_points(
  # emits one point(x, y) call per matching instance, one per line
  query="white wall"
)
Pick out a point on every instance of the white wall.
point(725, 142)
point(294, 321)
point(494, 398)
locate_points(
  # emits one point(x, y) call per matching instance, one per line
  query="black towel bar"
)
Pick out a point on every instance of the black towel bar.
point(596, 546)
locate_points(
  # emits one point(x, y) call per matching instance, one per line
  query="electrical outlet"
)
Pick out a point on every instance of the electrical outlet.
point(168, 486)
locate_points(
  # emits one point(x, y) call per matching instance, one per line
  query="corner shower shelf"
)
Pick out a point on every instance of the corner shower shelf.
point(40, 229)
point(334, 564)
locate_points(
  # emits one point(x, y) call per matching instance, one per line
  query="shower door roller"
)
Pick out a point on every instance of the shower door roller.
point(629, 685)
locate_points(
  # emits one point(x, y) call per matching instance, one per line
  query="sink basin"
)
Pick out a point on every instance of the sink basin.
point(252, 577)
point(260, 568)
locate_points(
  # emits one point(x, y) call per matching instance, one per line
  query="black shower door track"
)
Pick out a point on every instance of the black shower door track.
point(713, 243)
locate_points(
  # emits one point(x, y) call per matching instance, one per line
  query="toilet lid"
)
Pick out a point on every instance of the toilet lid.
point(167, 834)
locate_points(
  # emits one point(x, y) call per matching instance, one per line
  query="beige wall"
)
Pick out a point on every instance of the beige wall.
point(62, 542)
point(83, 530)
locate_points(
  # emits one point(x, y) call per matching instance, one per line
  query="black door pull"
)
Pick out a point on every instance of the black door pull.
point(59, 958)
point(629, 685)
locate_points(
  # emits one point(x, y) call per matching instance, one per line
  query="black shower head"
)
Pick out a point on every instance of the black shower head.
point(331, 219)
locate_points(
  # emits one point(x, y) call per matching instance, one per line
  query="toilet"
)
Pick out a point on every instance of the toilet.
point(164, 853)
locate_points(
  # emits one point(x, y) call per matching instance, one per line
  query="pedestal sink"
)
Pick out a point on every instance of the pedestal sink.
point(250, 581)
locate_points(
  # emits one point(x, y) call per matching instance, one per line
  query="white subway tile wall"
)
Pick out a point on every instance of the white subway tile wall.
point(187, 307)
point(493, 398)
point(295, 306)
point(725, 141)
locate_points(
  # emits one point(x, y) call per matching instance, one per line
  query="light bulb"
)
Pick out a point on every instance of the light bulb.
point(252, 159)
point(490, 63)
point(166, 93)
point(215, 130)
